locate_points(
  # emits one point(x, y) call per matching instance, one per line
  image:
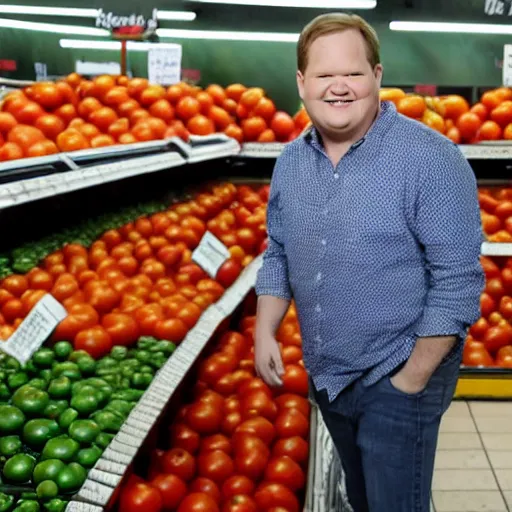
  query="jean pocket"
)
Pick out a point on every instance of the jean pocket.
point(453, 357)
point(396, 391)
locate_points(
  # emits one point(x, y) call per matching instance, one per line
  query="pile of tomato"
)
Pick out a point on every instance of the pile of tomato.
point(489, 342)
point(140, 279)
point(488, 119)
point(496, 212)
point(236, 445)
point(75, 113)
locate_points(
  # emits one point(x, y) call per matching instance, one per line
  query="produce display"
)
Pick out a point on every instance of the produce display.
point(59, 411)
point(136, 278)
point(489, 119)
point(496, 211)
point(235, 445)
point(75, 113)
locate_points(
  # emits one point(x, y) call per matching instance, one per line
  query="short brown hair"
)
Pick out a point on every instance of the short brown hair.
point(326, 24)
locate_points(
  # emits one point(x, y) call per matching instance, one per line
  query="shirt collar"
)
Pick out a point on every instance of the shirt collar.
point(381, 125)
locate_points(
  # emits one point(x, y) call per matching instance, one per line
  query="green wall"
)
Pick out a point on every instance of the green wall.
point(409, 58)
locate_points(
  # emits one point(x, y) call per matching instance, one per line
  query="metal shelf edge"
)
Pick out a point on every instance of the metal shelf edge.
point(496, 249)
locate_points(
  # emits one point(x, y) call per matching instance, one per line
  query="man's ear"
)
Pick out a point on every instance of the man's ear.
point(379, 71)
point(300, 84)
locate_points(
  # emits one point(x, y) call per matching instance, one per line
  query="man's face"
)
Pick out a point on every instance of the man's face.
point(339, 88)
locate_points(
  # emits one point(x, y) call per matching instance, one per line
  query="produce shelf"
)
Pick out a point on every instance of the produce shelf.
point(108, 472)
point(496, 249)
point(484, 383)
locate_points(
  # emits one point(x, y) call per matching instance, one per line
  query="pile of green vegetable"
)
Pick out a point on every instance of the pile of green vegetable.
point(60, 411)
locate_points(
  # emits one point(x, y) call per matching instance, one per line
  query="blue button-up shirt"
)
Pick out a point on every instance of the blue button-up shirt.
point(376, 252)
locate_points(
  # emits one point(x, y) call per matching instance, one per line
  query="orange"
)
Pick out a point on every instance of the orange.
point(412, 106)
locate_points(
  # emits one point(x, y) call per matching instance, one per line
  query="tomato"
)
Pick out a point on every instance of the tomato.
point(12, 309)
point(50, 125)
point(206, 486)
point(284, 470)
point(215, 465)
point(505, 308)
point(15, 284)
point(477, 356)
point(71, 140)
point(172, 490)
point(215, 367)
point(295, 380)
point(228, 273)
point(30, 298)
point(291, 422)
point(282, 125)
point(231, 422)
point(240, 503)
point(237, 484)
point(487, 304)
point(479, 328)
point(251, 455)
point(189, 314)
point(294, 447)
point(270, 495)
point(258, 403)
point(179, 462)
point(182, 436)
point(504, 357)
point(494, 287)
point(95, 340)
point(140, 496)
point(204, 418)
point(80, 317)
point(291, 354)
point(498, 336)
point(172, 329)
point(198, 502)
point(122, 328)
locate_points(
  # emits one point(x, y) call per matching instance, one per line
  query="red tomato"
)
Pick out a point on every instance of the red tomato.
point(172, 490)
point(216, 465)
point(478, 329)
point(237, 484)
point(506, 277)
point(291, 422)
point(122, 328)
point(290, 401)
point(251, 455)
point(294, 447)
point(258, 403)
point(498, 336)
point(489, 267)
point(240, 503)
point(215, 367)
point(295, 380)
point(81, 316)
point(253, 385)
point(182, 436)
point(504, 357)
point(198, 502)
point(206, 486)
point(271, 495)
point(259, 427)
point(477, 356)
point(506, 307)
point(204, 418)
point(494, 287)
point(216, 442)
point(179, 462)
point(95, 341)
point(487, 304)
point(284, 470)
point(140, 496)
point(228, 273)
point(231, 422)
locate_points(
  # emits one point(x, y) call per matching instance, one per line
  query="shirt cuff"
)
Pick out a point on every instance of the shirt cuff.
point(273, 280)
point(436, 323)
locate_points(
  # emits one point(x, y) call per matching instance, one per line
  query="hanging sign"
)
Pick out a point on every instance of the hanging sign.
point(164, 64)
point(498, 7)
point(507, 65)
point(128, 26)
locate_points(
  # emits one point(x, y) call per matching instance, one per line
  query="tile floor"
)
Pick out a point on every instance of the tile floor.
point(473, 471)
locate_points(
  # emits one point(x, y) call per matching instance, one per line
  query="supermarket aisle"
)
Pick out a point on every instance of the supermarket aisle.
point(474, 459)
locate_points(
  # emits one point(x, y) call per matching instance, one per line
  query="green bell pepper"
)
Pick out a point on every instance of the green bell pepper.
point(19, 468)
point(10, 445)
point(6, 502)
point(55, 505)
point(103, 440)
point(43, 358)
point(108, 420)
point(60, 387)
point(37, 432)
point(47, 490)
point(72, 477)
point(62, 350)
point(87, 457)
point(67, 369)
point(84, 431)
point(85, 404)
point(67, 417)
point(31, 401)
point(129, 395)
point(17, 380)
point(27, 506)
point(62, 448)
point(141, 380)
point(11, 419)
point(47, 470)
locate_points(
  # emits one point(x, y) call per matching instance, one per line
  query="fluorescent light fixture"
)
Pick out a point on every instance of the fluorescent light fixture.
point(84, 13)
point(281, 37)
point(177, 15)
point(53, 27)
point(318, 4)
point(111, 45)
point(463, 28)
point(48, 11)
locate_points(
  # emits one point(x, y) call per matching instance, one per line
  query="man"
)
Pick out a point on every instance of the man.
point(374, 230)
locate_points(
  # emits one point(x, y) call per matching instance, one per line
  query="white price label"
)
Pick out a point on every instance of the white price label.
point(210, 254)
point(507, 65)
point(35, 329)
point(164, 64)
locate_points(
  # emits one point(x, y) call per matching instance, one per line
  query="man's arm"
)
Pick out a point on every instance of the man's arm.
point(448, 226)
point(273, 289)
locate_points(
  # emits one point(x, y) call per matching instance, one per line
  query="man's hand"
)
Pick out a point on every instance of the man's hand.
point(268, 361)
point(408, 384)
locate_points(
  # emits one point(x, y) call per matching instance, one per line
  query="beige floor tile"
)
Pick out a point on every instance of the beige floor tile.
point(504, 477)
point(495, 425)
point(500, 459)
point(432, 509)
point(497, 441)
point(458, 409)
point(464, 480)
point(491, 408)
point(468, 501)
point(453, 424)
point(458, 441)
point(508, 498)
point(461, 459)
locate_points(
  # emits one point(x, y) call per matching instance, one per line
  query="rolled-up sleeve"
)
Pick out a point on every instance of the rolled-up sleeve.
point(273, 274)
point(448, 227)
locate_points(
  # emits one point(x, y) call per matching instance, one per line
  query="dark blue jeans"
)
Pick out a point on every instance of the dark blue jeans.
point(387, 439)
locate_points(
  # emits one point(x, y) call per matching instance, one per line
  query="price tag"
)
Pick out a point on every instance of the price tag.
point(164, 64)
point(210, 254)
point(35, 329)
point(507, 65)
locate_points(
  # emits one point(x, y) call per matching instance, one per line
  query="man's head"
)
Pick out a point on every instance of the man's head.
point(339, 73)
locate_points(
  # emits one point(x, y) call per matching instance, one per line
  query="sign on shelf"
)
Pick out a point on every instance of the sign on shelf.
point(507, 65)
point(164, 64)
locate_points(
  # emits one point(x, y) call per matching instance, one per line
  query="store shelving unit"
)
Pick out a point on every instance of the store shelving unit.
point(50, 186)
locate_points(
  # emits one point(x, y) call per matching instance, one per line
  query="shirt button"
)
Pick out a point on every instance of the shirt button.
point(319, 276)
point(318, 309)
point(326, 211)
point(318, 339)
point(336, 175)
point(324, 242)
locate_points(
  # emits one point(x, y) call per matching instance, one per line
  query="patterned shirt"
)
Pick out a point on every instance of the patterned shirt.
point(376, 252)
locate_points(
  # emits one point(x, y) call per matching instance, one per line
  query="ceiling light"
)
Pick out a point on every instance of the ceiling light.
point(320, 4)
point(112, 45)
point(73, 12)
point(464, 28)
point(282, 37)
point(55, 28)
